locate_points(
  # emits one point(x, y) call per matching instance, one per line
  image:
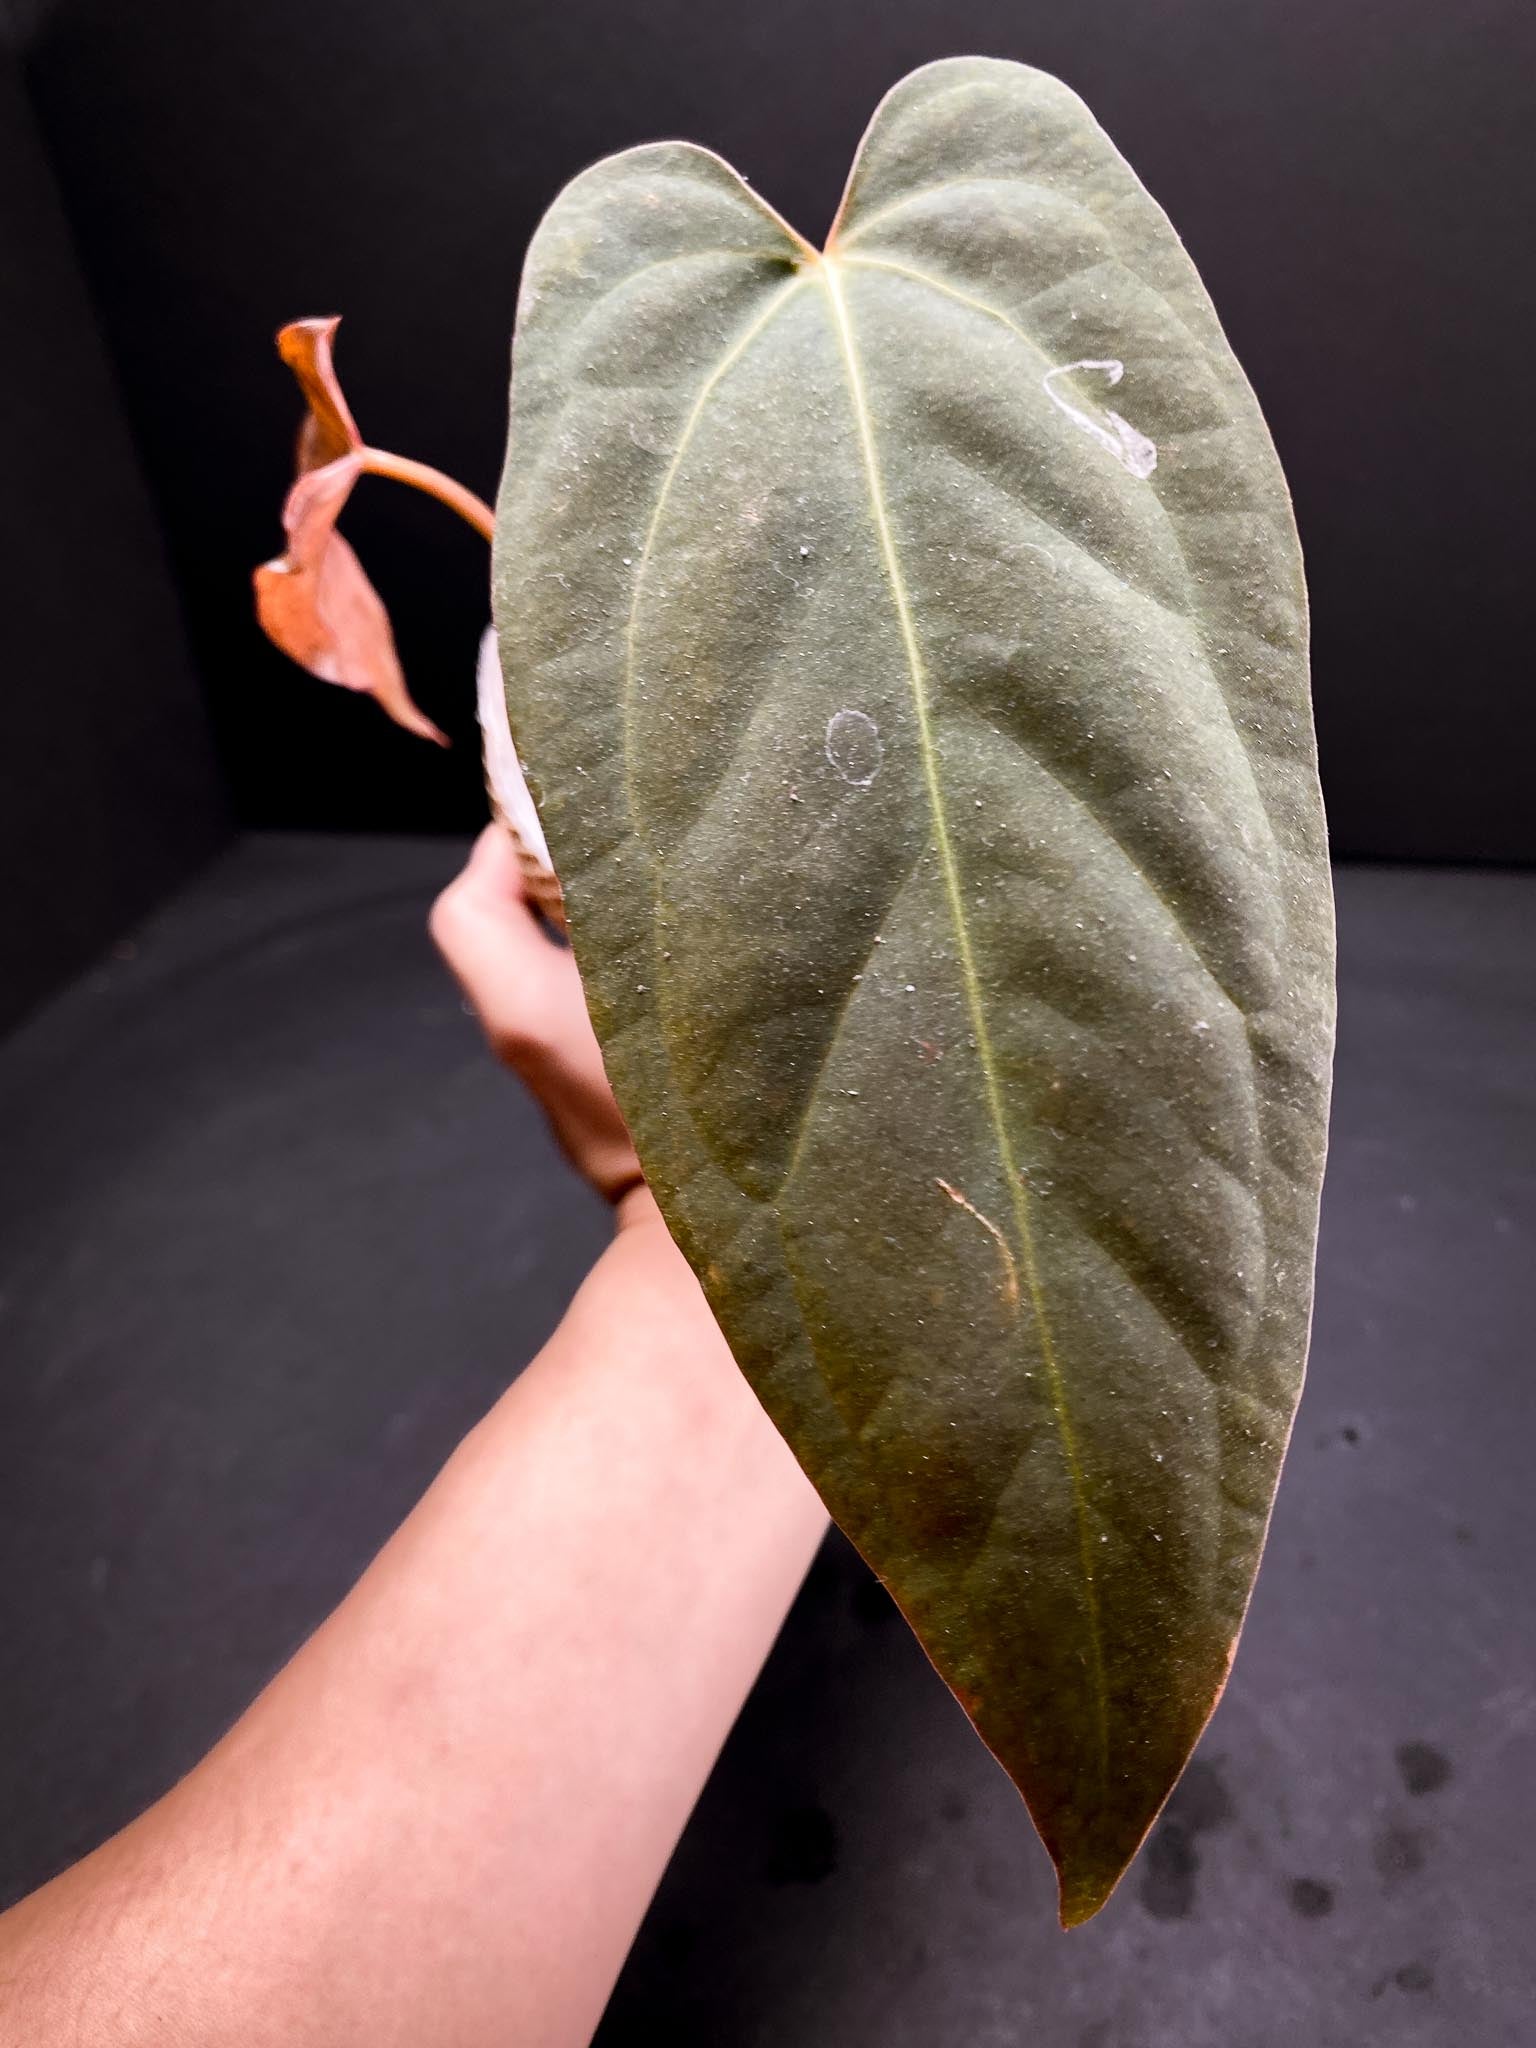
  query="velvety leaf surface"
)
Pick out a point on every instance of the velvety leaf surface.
point(908, 650)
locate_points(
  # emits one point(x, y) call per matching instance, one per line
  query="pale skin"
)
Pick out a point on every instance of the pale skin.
point(441, 1823)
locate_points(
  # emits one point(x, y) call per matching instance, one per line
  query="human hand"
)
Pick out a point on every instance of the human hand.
point(526, 991)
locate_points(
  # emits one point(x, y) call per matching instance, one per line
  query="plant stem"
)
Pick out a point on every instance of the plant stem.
point(422, 477)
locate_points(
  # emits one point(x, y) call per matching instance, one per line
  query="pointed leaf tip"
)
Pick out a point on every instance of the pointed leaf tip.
point(1082, 1894)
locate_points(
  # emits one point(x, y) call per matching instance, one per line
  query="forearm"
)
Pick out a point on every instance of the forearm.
point(443, 1820)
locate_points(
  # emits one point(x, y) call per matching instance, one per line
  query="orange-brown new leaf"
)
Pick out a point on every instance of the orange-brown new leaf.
point(316, 604)
point(329, 429)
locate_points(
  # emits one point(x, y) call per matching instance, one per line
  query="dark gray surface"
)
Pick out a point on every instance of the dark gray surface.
point(273, 1232)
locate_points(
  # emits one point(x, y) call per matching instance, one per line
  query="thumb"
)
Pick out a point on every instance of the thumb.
point(521, 980)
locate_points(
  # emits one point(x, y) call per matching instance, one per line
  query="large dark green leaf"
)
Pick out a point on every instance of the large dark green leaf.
point(908, 648)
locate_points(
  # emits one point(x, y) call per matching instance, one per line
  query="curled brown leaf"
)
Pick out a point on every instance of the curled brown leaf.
point(317, 605)
point(314, 601)
point(329, 430)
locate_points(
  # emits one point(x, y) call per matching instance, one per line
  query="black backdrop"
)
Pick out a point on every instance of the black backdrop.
point(1354, 178)
point(108, 791)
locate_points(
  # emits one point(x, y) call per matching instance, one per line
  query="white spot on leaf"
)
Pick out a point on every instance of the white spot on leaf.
point(854, 747)
point(1130, 448)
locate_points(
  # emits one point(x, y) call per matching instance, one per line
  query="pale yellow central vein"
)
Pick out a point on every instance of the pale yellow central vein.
point(828, 270)
point(948, 291)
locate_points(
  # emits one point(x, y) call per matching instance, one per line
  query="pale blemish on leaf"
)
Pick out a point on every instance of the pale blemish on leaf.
point(1128, 445)
point(854, 746)
point(1010, 1268)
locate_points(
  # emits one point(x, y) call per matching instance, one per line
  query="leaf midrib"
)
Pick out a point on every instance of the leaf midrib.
point(827, 272)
